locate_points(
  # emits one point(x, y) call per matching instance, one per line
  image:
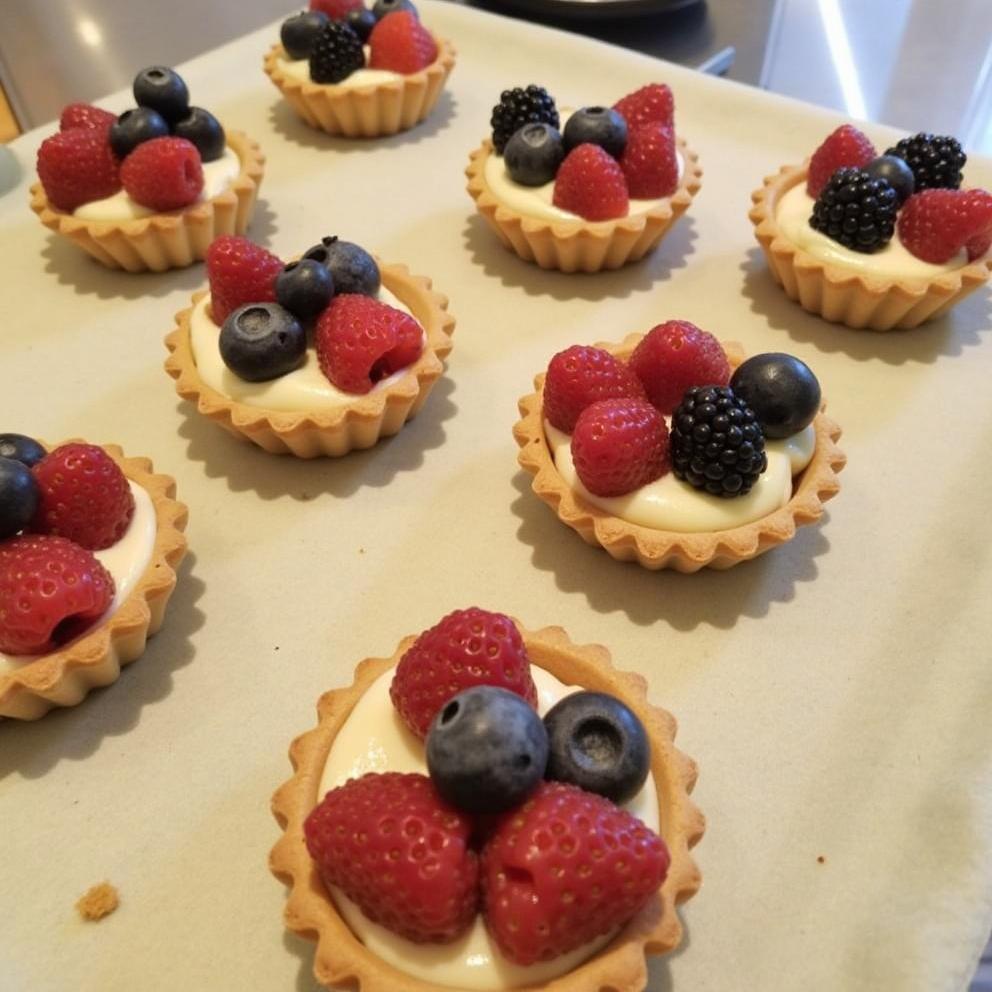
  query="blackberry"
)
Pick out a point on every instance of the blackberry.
point(855, 210)
point(520, 106)
point(936, 160)
point(717, 442)
point(337, 53)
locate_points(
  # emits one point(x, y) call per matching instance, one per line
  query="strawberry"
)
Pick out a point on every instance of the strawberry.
point(936, 224)
point(466, 648)
point(395, 848)
point(399, 42)
point(619, 445)
point(847, 146)
point(51, 590)
point(651, 104)
point(336, 10)
point(360, 341)
point(163, 173)
point(239, 272)
point(564, 868)
point(87, 116)
point(649, 162)
point(76, 167)
point(581, 375)
point(590, 183)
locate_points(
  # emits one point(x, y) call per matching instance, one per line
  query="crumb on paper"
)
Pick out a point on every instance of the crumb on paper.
point(361, 551)
point(100, 901)
point(821, 860)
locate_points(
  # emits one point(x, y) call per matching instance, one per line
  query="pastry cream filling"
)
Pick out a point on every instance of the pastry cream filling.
point(299, 69)
point(217, 177)
point(375, 739)
point(669, 503)
point(126, 561)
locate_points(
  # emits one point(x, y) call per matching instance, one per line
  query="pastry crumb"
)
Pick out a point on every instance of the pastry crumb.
point(821, 860)
point(100, 901)
point(361, 551)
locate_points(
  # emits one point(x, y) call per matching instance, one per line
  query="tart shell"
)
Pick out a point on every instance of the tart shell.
point(657, 549)
point(580, 245)
point(64, 677)
point(167, 240)
point(857, 300)
point(342, 960)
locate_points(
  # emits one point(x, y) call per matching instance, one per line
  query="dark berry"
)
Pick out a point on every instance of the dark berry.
point(204, 130)
point(936, 160)
point(518, 107)
point(337, 53)
point(382, 7)
point(486, 750)
point(162, 89)
point(134, 127)
point(262, 341)
point(299, 32)
point(601, 126)
point(533, 154)
point(18, 497)
point(781, 390)
point(304, 288)
point(361, 20)
point(855, 210)
point(895, 172)
point(597, 743)
point(25, 450)
point(353, 269)
point(716, 442)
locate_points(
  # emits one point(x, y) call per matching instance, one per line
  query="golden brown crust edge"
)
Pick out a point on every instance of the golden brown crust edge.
point(656, 549)
point(341, 959)
point(63, 678)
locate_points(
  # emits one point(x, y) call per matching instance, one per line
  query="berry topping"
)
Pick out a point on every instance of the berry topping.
point(162, 89)
point(847, 146)
point(674, 356)
point(781, 390)
point(601, 126)
point(533, 154)
point(580, 376)
point(25, 450)
point(464, 649)
point(204, 130)
point(650, 163)
point(84, 496)
point(361, 21)
point(262, 341)
point(304, 288)
point(76, 167)
point(936, 224)
point(652, 104)
point(395, 848)
point(134, 127)
point(163, 174)
point(85, 115)
point(360, 341)
point(51, 590)
point(18, 497)
point(591, 184)
point(352, 268)
point(486, 750)
point(299, 33)
point(239, 272)
point(336, 10)
point(518, 107)
point(400, 43)
point(717, 443)
point(936, 160)
point(619, 445)
point(565, 868)
point(857, 211)
point(895, 172)
point(598, 744)
point(337, 53)
point(383, 7)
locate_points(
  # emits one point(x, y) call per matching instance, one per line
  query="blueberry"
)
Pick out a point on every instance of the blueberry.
point(161, 88)
point(601, 126)
point(134, 127)
point(299, 32)
point(533, 154)
point(486, 750)
point(262, 341)
point(382, 7)
point(780, 389)
point(25, 450)
point(361, 21)
point(204, 130)
point(598, 744)
point(304, 288)
point(353, 269)
point(18, 496)
point(895, 170)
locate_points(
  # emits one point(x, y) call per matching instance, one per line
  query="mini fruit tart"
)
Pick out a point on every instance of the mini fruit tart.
point(599, 193)
point(151, 189)
point(319, 357)
point(357, 72)
point(528, 801)
point(89, 545)
point(876, 241)
point(671, 450)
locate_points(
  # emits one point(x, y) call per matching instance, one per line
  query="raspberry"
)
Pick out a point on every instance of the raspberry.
point(566, 867)
point(360, 341)
point(85, 115)
point(520, 106)
point(674, 356)
point(337, 53)
point(651, 104)
point(50, 590)
point(619, 445)
point(579, 376)
point(163, 174)
point(649, 162)
point(936, 224)
point(336, 10)
point(400, 852)
point(466, 648)
point(399, 42)
point(856, 211)
point(83, 495)
point(847, 146)
point(936, 160)
point(239, 272)
point(76, 167)
point(590, 183)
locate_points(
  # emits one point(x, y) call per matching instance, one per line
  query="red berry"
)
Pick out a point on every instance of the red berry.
point(336, 10)
point(77, 167)
point(163, 174)
point(579, 376)
point(620, 445)
point(652, 104)
point(845, 146)
point(399, 42)
point(649, 162)
point(239, 272)
point(51, 590)
point(564, 868)
point(400, 852)
point(87, 116)
point(83, 495)
point(590, 183)
point(674, 356)
point(360, 341)
point(935, 224)
point(466, 648)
